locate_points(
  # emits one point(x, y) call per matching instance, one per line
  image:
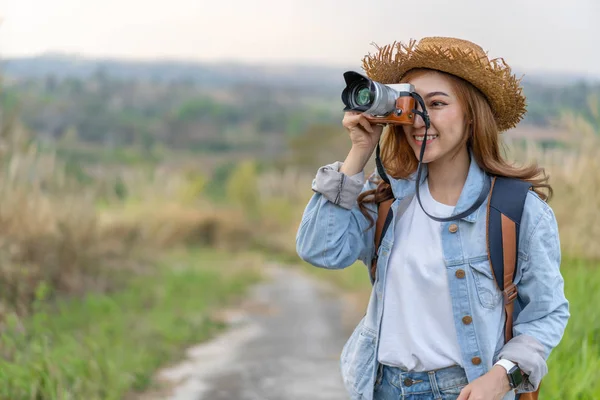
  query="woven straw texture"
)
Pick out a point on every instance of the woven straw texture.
point(457, 57)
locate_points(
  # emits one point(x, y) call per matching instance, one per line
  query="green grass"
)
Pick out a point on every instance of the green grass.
point(104, 346)
point(574, 365)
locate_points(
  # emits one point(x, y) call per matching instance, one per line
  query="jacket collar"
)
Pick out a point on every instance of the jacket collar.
point(469, 194)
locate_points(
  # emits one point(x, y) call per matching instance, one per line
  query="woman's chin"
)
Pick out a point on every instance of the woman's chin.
point(427, 157)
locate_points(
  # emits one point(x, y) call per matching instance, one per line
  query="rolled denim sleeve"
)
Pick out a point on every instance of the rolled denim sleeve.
point(541, 323)
point(334, 233)
point(337, 187)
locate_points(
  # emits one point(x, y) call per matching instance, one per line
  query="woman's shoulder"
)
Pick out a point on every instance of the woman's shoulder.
point(535, 206)
point(538, 220)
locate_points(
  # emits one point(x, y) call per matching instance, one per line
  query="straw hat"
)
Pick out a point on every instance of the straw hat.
point(457, 57)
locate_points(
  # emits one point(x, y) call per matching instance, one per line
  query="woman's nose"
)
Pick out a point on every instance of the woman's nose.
point(418, 121)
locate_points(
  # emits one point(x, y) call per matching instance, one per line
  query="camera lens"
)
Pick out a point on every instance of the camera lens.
point(364, 96)
point(360, 93)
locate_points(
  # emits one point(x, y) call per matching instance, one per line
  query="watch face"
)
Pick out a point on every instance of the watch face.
point(515, 376)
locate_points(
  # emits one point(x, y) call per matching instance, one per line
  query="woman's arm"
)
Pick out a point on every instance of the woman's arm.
point(334, 233)
point(541, 323)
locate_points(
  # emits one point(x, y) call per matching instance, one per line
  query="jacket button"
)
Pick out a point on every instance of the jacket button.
point(453, 228)
point(460, 273)
point(467, 320)
point(476, 360)
point(408, 382)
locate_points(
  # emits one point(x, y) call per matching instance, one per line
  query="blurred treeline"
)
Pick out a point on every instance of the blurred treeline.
point(204, 108)
point(154, 112)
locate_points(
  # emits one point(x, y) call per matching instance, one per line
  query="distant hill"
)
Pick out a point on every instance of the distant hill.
point(206, 74)
point(216, 74)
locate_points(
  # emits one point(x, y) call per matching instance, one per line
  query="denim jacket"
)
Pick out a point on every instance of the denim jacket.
point(334, 234)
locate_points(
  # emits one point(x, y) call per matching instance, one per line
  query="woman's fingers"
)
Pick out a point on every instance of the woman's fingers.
point(365, 124)
point(352, 119)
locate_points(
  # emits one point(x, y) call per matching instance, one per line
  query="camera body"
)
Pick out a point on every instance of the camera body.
point(381, 104)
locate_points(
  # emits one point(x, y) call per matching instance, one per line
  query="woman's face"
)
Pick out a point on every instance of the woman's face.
point(447, 116)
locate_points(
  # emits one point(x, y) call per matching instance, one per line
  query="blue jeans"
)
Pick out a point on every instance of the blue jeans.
point(398, 384)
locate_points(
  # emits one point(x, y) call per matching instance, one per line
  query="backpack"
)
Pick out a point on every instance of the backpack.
point(504, 210)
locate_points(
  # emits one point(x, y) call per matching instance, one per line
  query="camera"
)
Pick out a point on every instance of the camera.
point(381, 104)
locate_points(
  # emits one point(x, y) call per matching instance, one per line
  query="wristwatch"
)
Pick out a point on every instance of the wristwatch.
point(514, 373)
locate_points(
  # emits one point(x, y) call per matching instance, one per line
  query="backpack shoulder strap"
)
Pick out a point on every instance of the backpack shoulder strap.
point(505, 208)
point(384, 218)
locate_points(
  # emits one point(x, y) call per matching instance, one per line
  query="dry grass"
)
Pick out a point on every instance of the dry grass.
point(48, 227)
point(164, 225)
point(573, 170)
point(55, 239)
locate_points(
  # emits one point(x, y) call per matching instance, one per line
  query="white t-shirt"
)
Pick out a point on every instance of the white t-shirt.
point(417, 331)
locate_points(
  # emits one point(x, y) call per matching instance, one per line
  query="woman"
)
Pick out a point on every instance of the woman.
point(434, 323)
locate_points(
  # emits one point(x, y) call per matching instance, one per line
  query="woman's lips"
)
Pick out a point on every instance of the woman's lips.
point(430, 138)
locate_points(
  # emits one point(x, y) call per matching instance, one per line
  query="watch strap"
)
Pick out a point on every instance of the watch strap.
point(506, 364)
point(513, 372)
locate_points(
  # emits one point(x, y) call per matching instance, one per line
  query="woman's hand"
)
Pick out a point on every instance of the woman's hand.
point(364, 137)
point(362, 134)
point(491, 386)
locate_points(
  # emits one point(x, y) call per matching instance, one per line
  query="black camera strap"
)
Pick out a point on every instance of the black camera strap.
point(381, 170)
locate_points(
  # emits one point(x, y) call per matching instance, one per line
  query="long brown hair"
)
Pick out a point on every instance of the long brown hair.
point(400, 161)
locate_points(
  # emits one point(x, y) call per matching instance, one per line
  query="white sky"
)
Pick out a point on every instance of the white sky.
point(549, 35)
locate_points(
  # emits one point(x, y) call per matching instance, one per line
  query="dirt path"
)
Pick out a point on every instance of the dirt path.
point(284, 344)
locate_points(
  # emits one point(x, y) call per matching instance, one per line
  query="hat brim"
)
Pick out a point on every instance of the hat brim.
point(493, 78)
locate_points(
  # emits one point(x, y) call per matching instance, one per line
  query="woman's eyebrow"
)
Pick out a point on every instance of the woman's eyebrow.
point(435, 94)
